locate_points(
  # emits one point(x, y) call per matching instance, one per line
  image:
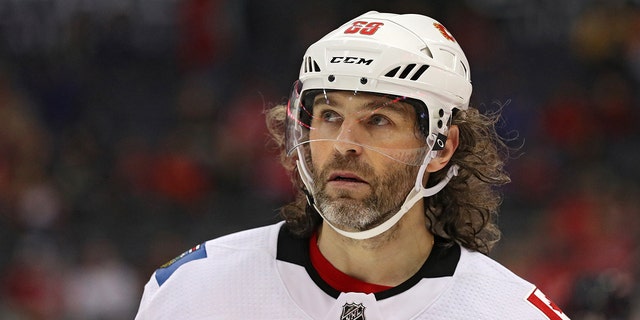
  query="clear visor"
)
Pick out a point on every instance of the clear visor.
point(389, 125)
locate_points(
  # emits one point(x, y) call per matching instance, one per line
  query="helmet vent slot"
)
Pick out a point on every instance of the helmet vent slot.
point(420, 71)
point(407, 71)
point(393, 72)
point(426, 51)
point(463, 69)
point(311, 65)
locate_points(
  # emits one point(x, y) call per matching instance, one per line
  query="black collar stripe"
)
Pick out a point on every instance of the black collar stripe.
point(442, 262)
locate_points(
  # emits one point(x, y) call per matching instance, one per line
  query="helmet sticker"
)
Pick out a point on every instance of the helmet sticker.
point(364, 27)
point(445, 33)
point(352, 60)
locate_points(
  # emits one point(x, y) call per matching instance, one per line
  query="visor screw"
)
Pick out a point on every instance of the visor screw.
point(363, 80)
point(331, 78)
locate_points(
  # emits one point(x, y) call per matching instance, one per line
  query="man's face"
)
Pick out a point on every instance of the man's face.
point(355, 143)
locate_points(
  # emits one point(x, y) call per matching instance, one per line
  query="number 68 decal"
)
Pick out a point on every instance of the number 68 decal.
point(364, 27)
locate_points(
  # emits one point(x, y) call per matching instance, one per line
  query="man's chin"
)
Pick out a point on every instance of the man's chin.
point(352, 226)
point(349, 215)
point(346, 195)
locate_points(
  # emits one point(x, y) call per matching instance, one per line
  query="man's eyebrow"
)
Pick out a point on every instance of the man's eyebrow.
point(390, 104)
point(373, 105)
point(324, 98)
point(379, 103)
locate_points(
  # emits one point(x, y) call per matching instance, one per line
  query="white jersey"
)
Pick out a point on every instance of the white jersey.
point(266, 273)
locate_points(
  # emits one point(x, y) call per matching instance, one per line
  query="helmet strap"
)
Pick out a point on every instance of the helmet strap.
point(417, 193)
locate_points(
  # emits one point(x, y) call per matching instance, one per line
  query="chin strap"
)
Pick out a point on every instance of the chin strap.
point(414, 196)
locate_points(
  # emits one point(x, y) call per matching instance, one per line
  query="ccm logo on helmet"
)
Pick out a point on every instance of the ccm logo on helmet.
point(364, 27)
point(355, 60)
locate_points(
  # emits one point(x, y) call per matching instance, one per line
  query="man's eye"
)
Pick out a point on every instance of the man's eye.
point(378, 120)
point(329, 116)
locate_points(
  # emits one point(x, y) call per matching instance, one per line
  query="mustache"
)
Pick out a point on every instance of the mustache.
point(341, 162)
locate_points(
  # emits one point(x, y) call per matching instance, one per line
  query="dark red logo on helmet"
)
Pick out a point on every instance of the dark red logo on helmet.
point(364, 27)
point(444, 31)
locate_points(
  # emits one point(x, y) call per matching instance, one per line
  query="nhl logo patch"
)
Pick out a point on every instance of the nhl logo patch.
point(352, 311)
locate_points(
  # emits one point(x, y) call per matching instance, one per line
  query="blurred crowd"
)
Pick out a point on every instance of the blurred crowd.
point(131, 130)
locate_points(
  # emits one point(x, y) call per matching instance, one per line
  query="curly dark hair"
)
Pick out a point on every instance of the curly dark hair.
point(464, 212)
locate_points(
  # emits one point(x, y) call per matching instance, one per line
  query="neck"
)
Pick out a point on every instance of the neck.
point(387, 259)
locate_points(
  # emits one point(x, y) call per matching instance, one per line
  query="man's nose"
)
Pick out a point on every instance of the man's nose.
point(348, 142)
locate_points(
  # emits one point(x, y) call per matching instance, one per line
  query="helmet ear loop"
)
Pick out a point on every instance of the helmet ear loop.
point(438, 140)
point(439, 135)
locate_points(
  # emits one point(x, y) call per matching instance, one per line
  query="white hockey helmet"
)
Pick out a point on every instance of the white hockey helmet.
point(409, 57)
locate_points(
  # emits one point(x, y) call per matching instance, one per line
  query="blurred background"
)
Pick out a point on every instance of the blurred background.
point(131, 130)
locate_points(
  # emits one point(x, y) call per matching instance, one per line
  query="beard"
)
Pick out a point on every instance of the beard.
point(388, 192)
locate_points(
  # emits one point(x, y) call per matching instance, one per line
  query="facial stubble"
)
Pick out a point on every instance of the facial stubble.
point(388, 192)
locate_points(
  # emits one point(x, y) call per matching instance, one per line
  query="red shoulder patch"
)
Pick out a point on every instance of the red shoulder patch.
point(542, 303)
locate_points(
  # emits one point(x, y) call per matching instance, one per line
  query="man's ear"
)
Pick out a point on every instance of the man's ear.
point(444, 155)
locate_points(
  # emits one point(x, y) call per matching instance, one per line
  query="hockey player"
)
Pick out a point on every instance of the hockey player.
point(397, 206)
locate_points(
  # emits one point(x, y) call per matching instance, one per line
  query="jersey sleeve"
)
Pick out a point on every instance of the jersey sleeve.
point(150, 289)
point(162, 274)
